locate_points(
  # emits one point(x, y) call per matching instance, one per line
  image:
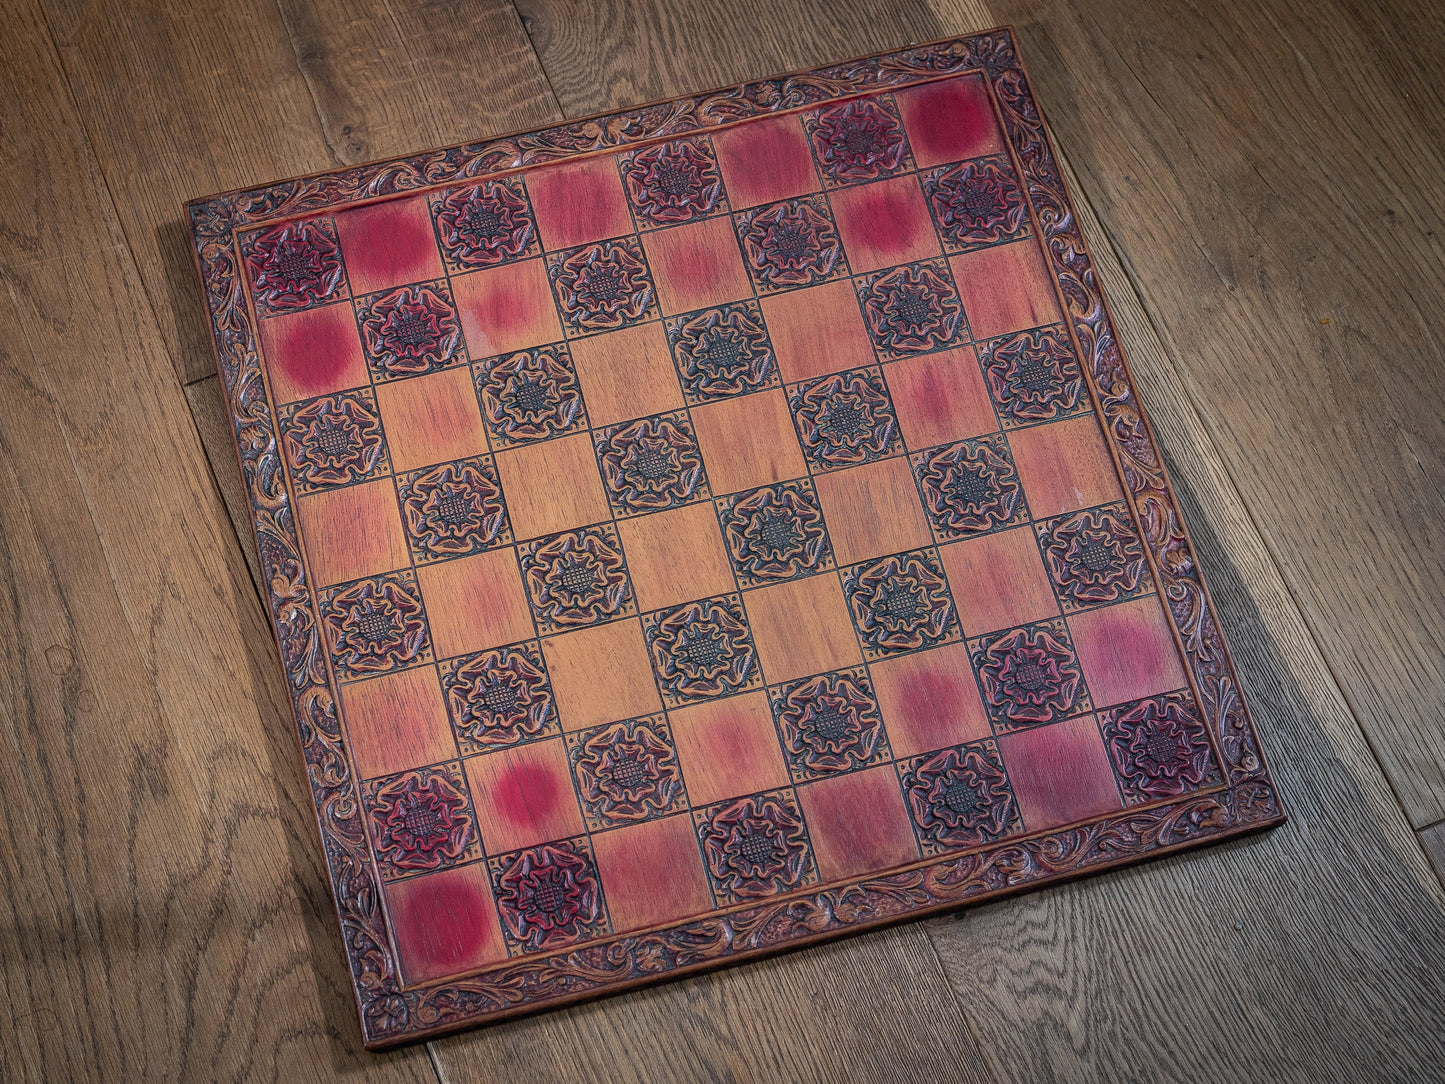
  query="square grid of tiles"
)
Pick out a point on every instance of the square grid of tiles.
point(707, 520)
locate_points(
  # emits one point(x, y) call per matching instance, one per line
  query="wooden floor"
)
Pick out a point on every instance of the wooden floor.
point(1261, 182)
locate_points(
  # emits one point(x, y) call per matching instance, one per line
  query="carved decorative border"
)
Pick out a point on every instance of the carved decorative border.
point(392, 1014)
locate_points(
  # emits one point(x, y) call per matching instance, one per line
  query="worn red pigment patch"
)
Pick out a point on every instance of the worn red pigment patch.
point(388, 244)
point(444, 923)
point(950, 120)
point(523, 796)
point(929, 700)
point(312, 353)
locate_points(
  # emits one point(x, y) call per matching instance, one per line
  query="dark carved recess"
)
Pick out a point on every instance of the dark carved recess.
point(391, 1013)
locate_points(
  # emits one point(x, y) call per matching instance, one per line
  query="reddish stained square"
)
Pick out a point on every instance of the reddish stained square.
point(395, 722)
point(765, 160)
point(312, 352)
point(940, 398)
point(950, 120)
point(998, 581)
point(388, 244)
point(523, 796)
point(1065, 466)
point(817, 330)
point(728, 747)
point(475, 602)
point(748, 441)
point(696, 265)
point(1127, 651)
point(1005, 288)
point(431, 419)
point(1060, 773)
point(929, 700)
point(506, 308)
point(626, 374)
point(884, 224)
point(552, 485)
point(651, 873)
point(352, 532)
point(858, 823)
point(872, 510)
point(579, 203)
point(444, 923)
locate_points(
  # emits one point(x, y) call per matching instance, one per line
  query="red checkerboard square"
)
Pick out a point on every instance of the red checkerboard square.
point(523, 796)
point(940, 398)
point(431, 419)
point(950, 120)
point(676, 556)
point(600, 675)
point(765, 160)
point(579, 203)
point(998, 581)
point(728, 748)
point(858, 823)
point(817, 330)
point(390, 243)
point(884, 224)
point(475, 602)
point(1064, 466)
point(552, 485)
point(929, 700)
point(651, 873)
point(1060, 773)
point(1005, 288)
point(312, 353)
point(696, 265)
point(1127, 651)
point(506, 308)
point(352, 532)
point(872, 510)
point(396, 721)
point(444, 923)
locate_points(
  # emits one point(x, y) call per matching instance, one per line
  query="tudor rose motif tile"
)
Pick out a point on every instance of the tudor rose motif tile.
point(791, 243)
point(530, 395)
point(602, 286)
point(1033, 376)
point(970, 487)
point(976, 203)
point(333, 440)
point(1093, 557)
point(959, 797)
point(755, 847)
point(651, 464)
point(845, 419)
point(829, 723)
point(548, 896)
point(376, 625)
point(859, 140)
point(626, 772)
point(775, 533)
point(911, 309)
point(1159, 747)
point(410, 330)
point(294, 266)
point(900, 603)
point(453, 509)
point(721, 352)
point(701, 650)
point(498, 698)
point(577, 578)
point(486, 224)
point(421, 820)
point(673, 182)
point(1029, 676)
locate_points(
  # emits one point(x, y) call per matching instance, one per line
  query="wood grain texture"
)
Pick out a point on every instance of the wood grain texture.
point(178, 102)
point(213, 425)
point(1433, 840)
point(1272, 173)
point(164, 898)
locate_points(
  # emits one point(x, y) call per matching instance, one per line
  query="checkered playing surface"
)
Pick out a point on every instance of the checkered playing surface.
point(703, 521)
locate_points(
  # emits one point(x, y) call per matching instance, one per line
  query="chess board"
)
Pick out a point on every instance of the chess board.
point(699, 530)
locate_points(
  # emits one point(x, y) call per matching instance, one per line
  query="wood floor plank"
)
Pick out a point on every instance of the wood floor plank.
point(182, 101)
point(1272, 171)
point(1433, 840)
point(165, 913)
point(213, 426)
